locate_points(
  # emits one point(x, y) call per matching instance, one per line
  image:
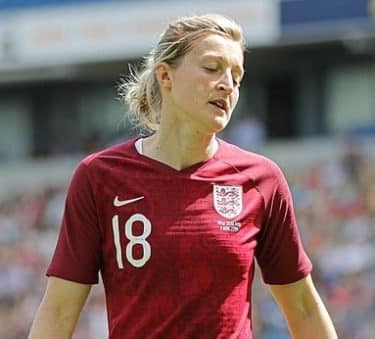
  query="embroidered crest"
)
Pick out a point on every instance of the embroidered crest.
point(228, 200)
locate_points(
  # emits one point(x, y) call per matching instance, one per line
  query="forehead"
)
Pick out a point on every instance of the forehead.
point(215, 45)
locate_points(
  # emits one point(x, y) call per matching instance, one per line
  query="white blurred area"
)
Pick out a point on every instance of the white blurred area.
point(307, 102)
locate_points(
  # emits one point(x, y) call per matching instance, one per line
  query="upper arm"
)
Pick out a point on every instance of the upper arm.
point(66, 295)
point(296, 299)
point(60, 309)
point(280, 252)
point(77, 256)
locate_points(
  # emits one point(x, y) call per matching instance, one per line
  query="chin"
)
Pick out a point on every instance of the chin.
point(218, 124)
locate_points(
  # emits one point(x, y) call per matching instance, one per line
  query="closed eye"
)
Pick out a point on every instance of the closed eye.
point(210, 69)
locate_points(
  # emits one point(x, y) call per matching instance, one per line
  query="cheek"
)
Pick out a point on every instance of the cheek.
point(235, 99)
point(200, 88)
point(197, 92)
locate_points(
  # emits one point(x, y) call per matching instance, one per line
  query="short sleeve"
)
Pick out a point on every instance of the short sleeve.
point(280, 253)
point(77, 256)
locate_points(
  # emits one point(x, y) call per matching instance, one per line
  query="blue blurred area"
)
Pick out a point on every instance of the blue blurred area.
point(315, 11)
point(26, 4)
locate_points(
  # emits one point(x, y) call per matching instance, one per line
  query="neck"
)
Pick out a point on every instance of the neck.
point(181, 148)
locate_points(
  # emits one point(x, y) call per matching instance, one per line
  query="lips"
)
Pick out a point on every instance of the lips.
point(220, 103)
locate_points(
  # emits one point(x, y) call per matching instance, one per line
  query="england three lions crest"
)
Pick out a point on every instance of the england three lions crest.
point(228, 200)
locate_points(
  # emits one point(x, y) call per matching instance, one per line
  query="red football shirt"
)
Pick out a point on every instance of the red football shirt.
point(176, 249)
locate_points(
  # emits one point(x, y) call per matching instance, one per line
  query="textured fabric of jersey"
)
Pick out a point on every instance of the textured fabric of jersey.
point(176, 249)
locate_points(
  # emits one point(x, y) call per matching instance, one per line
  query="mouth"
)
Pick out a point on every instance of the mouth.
point(220, 103)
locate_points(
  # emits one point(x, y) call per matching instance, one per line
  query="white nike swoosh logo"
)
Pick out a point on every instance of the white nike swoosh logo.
point(119, 203)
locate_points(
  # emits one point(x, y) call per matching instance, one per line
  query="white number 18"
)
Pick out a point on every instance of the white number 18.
point(133, 240)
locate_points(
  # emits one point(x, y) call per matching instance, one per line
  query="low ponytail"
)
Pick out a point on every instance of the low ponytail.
point(140, 91)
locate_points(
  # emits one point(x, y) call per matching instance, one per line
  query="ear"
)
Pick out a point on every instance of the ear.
point(163, 75)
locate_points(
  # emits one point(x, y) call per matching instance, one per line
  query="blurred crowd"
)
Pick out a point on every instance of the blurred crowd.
point(335, 207)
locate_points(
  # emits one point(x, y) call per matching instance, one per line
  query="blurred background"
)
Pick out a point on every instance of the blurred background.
point(307, 102)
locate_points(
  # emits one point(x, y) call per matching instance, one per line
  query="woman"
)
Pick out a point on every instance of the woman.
point(174, 221)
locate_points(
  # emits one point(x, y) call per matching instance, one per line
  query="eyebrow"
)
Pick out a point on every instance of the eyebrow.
point(223, 59)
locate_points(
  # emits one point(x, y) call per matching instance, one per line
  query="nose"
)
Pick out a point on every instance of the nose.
point(225, 82)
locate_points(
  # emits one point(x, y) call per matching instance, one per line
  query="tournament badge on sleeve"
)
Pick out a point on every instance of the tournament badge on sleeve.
point(228, 200)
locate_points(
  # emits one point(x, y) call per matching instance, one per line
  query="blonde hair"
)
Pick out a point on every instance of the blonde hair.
point(141, 89)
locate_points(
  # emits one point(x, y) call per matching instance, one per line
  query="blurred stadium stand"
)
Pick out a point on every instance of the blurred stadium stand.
point(307, 101)
point(10, 5)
